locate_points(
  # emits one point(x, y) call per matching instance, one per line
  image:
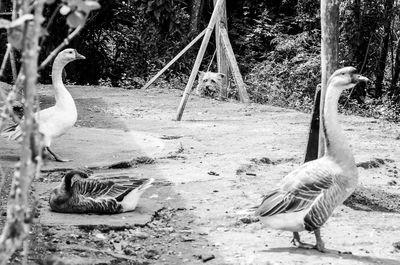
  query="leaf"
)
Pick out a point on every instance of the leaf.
point(21, 20)
point(64, 10)
point(75, 19)
point(88, 6)
point(4, 23)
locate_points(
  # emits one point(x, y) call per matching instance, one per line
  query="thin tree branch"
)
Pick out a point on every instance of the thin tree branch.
point(17, 227)
point(13, 64)
point(5, 58)
point(61, 46)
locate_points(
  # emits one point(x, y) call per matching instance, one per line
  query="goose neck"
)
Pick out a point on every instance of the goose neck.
point(336, 145)
point(61, 93)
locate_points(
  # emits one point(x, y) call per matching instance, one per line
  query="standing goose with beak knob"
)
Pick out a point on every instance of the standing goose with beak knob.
point(58, 119)
point(306, 197)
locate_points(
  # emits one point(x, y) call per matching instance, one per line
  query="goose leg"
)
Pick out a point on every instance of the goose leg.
point(297, 242)
point(57, 157)
point(320, 246)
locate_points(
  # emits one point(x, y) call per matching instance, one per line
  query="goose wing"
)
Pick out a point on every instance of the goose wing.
point(14, 132)
point(96, 189)
point(298, 190)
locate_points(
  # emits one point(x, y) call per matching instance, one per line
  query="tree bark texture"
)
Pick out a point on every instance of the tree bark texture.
point(381, 64)
point(195, 16)
point(396, 72)
point(329, 52)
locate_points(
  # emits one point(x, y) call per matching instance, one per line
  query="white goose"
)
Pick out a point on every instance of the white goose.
point(89, 195)
point(306, 197)
point(58, 119)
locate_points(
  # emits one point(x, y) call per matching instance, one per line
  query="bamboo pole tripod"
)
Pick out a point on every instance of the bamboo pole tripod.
point(225, 57)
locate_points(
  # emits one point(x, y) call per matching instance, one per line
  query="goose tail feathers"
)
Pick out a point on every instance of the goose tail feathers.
point(12, 132)
point(131, 200)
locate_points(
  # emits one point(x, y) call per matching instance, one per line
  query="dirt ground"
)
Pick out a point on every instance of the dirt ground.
point(210, 170)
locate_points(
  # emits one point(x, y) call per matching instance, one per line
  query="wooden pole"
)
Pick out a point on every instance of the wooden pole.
point(244, 97)
point(221, 57)
point(313, 135)
point(174, 59)
point(329, 52)
point(199, 58)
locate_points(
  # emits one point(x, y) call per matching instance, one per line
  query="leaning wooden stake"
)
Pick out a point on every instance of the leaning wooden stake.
point(244, 97)
point(199, 58)
point(174, 59)
point(221, 57)
point(329, 52)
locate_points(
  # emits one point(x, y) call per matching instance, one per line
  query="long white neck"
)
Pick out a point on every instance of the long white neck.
point(63, 97)
point(336, 145)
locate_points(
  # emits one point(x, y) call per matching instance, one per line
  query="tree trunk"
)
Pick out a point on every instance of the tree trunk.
point(396, 71)
point(329, 53)
point(195, 16)
point(381, 64)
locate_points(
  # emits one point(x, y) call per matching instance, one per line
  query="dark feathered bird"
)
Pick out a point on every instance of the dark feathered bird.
point(77, 193)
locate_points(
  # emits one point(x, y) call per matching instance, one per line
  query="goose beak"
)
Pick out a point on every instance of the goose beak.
point(79, 56)
point(360, 78)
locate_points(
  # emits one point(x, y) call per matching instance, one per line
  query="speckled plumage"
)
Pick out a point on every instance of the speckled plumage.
point(306, 197)
point(79, 194)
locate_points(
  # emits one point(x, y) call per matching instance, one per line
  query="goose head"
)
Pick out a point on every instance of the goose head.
point(345, 78)
point(69, 55)
point(62, 193)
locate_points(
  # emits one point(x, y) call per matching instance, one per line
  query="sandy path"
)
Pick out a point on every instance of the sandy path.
point(211, 150)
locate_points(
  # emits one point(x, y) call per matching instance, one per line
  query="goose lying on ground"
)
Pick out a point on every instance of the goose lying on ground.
point(57, 120)
point(306, 197)
point(88, 195)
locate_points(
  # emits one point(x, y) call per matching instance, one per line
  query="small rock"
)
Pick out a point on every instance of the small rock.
point(249, 219)
point(392, 183)
point(140, 234)
point(212, 173)
point(151, 254)
point(100, 236)
point(266, 160)
point(396, 245)
point(118, 247)
point(52, 247)
point(207, 257)
point(129, 251)
point(187, 239)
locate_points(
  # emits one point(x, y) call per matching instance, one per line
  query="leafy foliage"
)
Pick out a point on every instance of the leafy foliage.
point(277, 44)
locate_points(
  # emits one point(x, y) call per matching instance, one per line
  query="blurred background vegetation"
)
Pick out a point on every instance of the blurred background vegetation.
point(277, 44)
